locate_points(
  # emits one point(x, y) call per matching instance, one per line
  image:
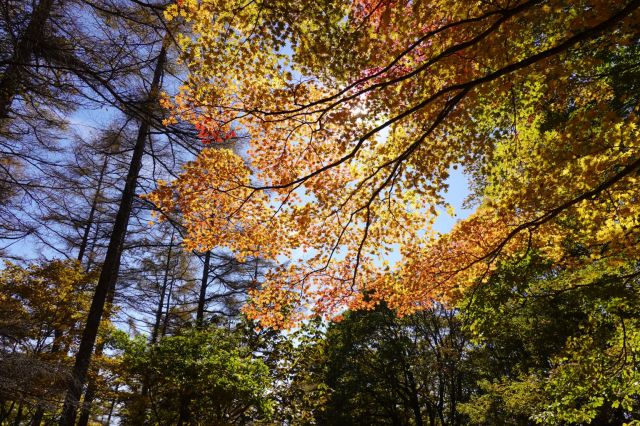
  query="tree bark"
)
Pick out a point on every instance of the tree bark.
point(92, 250)
point(165, 322)
point(6, 414)
point(415, 403)
point(154, 333)
point(92, 212)
point(203, 290)
point(163, 291)
point(89, 396)
point(37, 417)
point(111, 265)
point(183, 413)
point(113, 404)
point(90, 393)
point(18, 419)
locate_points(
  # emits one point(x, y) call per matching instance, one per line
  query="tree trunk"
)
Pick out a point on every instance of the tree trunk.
point(432, 418)
point(56, 347)
point(183, 412)
point(441, 395)
point(6, 414)
point(415, 403)
point(154, 333)
point(111, 265)
point(113, 404)
point(89, 396)
point(92, 250)
point(166, 314)
point(90, 393)
point(163, 291)
point(92, 212)
point(37, 417)
point(18, 419)
point(203, 290)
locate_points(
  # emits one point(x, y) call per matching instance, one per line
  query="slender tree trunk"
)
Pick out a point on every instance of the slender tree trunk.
point(395, 420)
point(18, 419)
point(7, 414)
point(413, 398)
point(92, 212)
point(441, 395)
point(11, 80)
point(154, 333)
point(157, 332)
point(89, 396)
point(37, 417)
point(92, 250)
point(203, 289)
point(113, 405)
point(455, 397)
point(163, 291)
point(166, 314)
point(90, 393)
point(111, 266)
point(183, 413)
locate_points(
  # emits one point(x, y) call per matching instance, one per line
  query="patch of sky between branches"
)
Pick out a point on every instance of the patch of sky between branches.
point(458, 191)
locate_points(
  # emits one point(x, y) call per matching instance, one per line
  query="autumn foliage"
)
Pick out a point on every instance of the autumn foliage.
point(354, 116)
point(230, 212)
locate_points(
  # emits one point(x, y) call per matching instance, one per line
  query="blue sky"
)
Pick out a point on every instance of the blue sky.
point(458, 192)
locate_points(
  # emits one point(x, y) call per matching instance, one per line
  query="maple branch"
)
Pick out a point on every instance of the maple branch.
point(506, 14)
point(492, 255)
point(463, 89)
point(551, 214)
point(582, 36)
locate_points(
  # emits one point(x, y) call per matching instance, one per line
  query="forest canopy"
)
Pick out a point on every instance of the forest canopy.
point(355, 114)
point(223, 212)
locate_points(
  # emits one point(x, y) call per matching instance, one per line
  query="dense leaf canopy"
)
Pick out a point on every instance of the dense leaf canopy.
point(354, 114)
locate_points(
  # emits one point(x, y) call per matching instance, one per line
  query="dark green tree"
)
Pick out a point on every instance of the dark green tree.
point(402, 371)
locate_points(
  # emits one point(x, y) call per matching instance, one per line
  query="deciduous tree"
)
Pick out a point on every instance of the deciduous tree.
point(356, 112)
